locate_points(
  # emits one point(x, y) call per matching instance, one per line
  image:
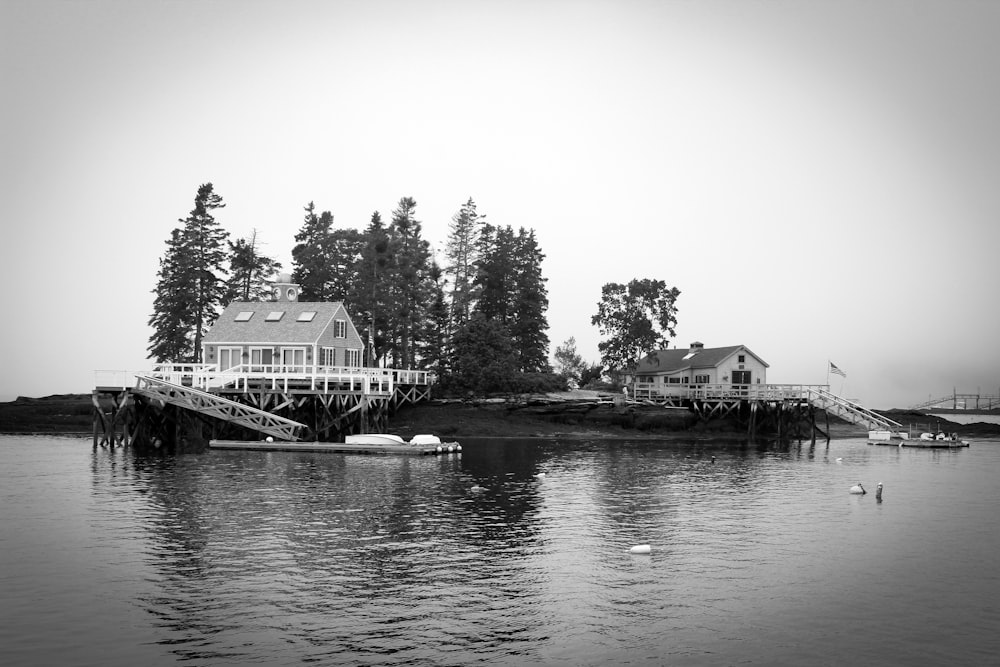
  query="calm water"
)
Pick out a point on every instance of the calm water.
point(761, 557)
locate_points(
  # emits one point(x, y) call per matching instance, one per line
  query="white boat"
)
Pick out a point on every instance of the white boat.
point(422, 440)
point(374, 439)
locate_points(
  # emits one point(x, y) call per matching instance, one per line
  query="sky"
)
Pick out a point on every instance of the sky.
point(818, 179)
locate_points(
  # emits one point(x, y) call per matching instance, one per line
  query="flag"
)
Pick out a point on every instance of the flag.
point(837, 371)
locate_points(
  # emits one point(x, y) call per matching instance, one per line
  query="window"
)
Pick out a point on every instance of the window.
point(328, 356)
point(274, 316)
point(243, 316)
point(701, 379)
point(741, 359)
point(306, 316)
point(674, 380)
point(353, 359)
point(340, 329)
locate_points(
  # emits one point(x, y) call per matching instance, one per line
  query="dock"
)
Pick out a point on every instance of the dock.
point(331, 447)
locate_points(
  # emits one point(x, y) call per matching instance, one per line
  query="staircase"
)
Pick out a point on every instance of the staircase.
point(850, 411)
point(211, 405)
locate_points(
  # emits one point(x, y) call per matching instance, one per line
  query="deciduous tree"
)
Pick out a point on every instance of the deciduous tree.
point(637, 318)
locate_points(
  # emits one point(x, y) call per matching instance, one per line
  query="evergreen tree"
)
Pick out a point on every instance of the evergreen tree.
point(435, 334)
point(460, 251)
point(171, 340)
point(410, 271)
point(249, 271)
point(530, 301)
point(370, 300)
point(637, 318)
point(484, 359)
point(311, 265)
point(204, 243)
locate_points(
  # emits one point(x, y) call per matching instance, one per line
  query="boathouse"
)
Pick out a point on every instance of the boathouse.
point(699, 365)
point(283, 335)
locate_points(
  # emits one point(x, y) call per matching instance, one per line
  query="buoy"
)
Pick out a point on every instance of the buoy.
point(640, 549)
point(477, 489)
point(438, 449)
point(458, 447)
point(269, 439)
point(839, 459)
point(878, 491)
point(857, 488)
point(540, 475)
point(451, 448)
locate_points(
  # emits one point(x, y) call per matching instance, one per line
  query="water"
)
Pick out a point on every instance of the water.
point(761, 557)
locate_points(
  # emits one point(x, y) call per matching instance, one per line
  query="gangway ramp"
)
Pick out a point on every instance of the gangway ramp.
point(851, 411)
point(211, 405)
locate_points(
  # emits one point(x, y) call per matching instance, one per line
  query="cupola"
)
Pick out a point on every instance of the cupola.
point(283, 289)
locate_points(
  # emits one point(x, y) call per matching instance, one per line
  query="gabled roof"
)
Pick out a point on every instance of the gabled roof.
point(286, 330)
point(670, 361)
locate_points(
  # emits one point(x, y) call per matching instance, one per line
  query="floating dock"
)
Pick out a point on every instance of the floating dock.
point(334, 447)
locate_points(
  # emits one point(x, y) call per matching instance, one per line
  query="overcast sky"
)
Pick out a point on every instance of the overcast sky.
point(821, 180)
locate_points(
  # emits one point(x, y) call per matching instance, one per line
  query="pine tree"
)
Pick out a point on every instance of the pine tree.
point(369, 302)
point(204, 243)
point(461, 253)
point(435, 332)
point(249, 271)
point(530, 301)
point(410, 271)
point(171, 340)
point(311, 266)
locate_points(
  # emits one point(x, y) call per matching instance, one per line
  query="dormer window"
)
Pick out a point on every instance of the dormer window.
point(306, 316)
point(243, 316)
point(340, 329)
point(274, 316)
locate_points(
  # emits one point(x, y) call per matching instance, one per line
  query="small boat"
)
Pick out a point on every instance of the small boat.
point(422, 440)
point(374, 439)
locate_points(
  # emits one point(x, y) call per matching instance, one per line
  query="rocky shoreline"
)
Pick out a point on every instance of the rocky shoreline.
point(579, 414)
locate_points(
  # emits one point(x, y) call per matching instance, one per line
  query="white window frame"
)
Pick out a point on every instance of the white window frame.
point(258, 365)
point(229, 349)
point(352, 358)
point(294, 366)
point(340, 328)
point(328, 356)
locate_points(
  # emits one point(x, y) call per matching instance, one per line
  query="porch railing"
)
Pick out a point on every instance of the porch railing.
point(709, 392)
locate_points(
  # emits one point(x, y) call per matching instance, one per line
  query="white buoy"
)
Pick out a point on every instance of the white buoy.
point(269, 439)
point(540, 475)
point(451, 448)
point(458, 447)
point(858, 489)
point(839, 459)
point(640, 549)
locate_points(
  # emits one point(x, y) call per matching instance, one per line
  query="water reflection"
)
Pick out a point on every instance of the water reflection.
point(289, 557)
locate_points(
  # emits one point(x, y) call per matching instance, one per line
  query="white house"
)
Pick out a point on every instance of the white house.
point(698, 365)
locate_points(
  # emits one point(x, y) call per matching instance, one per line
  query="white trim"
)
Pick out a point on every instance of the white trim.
point(230, 349)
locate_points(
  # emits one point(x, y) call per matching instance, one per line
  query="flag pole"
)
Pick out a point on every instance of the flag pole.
point(828, 375)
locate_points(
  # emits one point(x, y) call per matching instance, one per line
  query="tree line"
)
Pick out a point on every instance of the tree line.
point(478, 321)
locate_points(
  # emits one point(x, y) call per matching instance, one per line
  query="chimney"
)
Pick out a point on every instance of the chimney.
point(696, 347)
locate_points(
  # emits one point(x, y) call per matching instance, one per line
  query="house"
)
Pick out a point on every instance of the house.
point(700, 365)
point(285, 335)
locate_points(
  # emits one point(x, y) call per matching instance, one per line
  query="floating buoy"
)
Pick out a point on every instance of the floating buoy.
point(857, 488)
point(878, 491)
point(458, 447)
point(451, 448)
point(439, 450)
point(268, 439)
point(839, 459)
point(640, 549)
point(540, 475)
